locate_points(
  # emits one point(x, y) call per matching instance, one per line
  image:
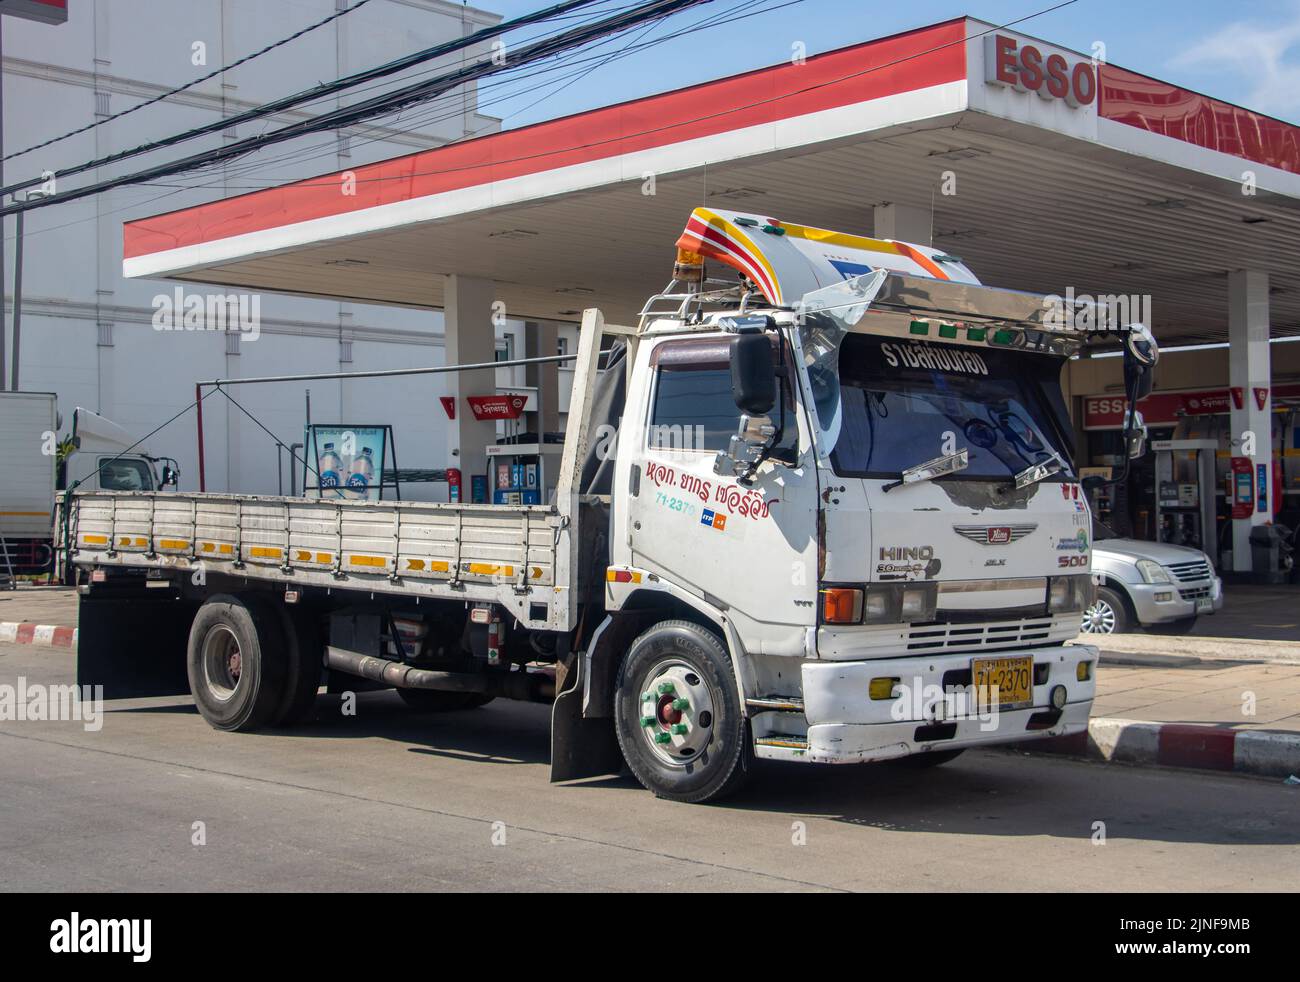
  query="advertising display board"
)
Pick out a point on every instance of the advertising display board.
point(346, 461)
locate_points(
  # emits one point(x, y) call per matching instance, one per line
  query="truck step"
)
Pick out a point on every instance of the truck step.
point(788, 743)
point(776, 704)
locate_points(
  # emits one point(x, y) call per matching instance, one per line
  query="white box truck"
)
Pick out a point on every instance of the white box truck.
point(100, 455)
point(28, 459)
point(825, 513)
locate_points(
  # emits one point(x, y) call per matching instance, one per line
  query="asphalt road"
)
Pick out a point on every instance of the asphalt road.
point(387, 800)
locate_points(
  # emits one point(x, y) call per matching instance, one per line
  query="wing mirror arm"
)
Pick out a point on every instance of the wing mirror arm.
point(1141, 353)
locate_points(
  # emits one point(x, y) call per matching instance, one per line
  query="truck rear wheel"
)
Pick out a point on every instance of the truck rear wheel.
point(236, 662)
point(438, 701)
point(677, 714)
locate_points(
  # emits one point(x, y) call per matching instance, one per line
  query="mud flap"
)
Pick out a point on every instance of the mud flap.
point(580, 746)
point(133, 643)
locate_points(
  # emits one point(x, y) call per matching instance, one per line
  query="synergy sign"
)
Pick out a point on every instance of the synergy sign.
point(1025, 68)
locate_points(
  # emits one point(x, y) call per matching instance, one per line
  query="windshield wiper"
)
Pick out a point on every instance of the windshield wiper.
point(1037, 472)
point(928, 471)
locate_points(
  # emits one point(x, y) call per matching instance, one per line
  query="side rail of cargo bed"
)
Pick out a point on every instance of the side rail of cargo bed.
point(500, 554)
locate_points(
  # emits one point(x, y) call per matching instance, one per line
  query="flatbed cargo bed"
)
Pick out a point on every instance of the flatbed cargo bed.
point(475, 552)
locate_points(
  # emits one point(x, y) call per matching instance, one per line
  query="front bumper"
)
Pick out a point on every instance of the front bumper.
point(846, 726)
point(1161, 603)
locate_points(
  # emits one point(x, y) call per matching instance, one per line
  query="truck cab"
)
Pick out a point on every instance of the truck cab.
point(899, 568)
point(105, 457)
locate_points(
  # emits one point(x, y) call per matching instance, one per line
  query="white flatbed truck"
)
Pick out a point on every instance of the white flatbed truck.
point(827, 514)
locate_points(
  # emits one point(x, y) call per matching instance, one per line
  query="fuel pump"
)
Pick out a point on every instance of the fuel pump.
point(1185, 493)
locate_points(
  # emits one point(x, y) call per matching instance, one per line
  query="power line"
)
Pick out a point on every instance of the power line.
point(189, 85)
point(731, 15)
point(308, 95)
point(378, 105)
point(495, 162)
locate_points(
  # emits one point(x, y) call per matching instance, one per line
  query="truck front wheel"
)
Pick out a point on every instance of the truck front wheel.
point(677, 714)
point(236, 662)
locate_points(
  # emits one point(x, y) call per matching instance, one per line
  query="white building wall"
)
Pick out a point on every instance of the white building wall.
point(88, 334)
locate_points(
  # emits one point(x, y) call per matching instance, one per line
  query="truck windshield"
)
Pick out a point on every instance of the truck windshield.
point(904, 401)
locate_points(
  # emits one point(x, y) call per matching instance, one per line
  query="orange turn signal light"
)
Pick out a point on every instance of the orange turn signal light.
point(841, 605)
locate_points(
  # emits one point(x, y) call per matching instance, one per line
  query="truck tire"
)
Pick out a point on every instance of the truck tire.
point(677, 714)
point(1109, 613)
point(236, 662)
point(438, 701)
point(304, 651)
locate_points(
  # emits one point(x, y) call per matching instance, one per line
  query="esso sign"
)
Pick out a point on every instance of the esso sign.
point(1025, 67)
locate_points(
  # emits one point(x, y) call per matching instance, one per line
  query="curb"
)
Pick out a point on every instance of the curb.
point(1271, 753)
point(48, 635)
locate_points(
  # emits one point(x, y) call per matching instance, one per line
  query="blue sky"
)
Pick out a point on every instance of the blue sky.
point(1247, 53)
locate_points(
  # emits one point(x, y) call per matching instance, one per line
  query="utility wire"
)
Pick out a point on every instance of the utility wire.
point(307, 95)
point(779, 97)
point(731, 15)
point(189, 85)
point(377, 106)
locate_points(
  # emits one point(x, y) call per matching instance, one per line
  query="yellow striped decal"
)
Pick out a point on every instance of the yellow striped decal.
point(305, 556)
point(368, 561)
point(430, 566)
point(94, 540)
point(127, 542)
point(221, 548)
point(173, 543)
point(265, 552)
point(489, 569)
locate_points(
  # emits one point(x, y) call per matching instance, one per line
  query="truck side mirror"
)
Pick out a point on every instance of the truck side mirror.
point(1140, 356)
point(753, 374)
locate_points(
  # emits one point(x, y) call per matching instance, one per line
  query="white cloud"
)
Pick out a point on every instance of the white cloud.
point(1267, 56)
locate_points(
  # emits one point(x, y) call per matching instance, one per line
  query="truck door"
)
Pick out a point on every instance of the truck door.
point(751, 551)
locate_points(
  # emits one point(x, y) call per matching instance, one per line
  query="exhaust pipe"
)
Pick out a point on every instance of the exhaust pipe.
point(509, 685)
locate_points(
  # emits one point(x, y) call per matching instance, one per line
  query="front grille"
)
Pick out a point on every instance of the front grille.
point(1196, 593)
point(1191, 572)
point(935, 637)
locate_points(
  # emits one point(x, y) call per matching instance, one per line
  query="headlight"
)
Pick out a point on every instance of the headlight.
point(1069, 593)
point(1152, 572)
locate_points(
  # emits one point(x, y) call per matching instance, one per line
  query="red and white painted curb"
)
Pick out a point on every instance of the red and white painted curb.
point(1273, 753)
point(49, 635)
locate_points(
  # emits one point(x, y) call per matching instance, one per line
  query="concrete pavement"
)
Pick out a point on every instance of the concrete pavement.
point(390, 800)
point(1221, 703)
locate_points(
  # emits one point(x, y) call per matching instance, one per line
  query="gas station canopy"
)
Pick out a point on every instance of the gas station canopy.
point(1036, 167)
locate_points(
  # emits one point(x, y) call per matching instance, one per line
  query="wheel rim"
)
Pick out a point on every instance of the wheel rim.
point(1099, 618)
point(223, 662)
point(677, 713)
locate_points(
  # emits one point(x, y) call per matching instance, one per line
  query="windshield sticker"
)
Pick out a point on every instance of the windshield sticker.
point(918, 354)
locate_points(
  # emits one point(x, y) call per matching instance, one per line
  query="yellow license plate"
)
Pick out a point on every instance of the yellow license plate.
point(1011, 678)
